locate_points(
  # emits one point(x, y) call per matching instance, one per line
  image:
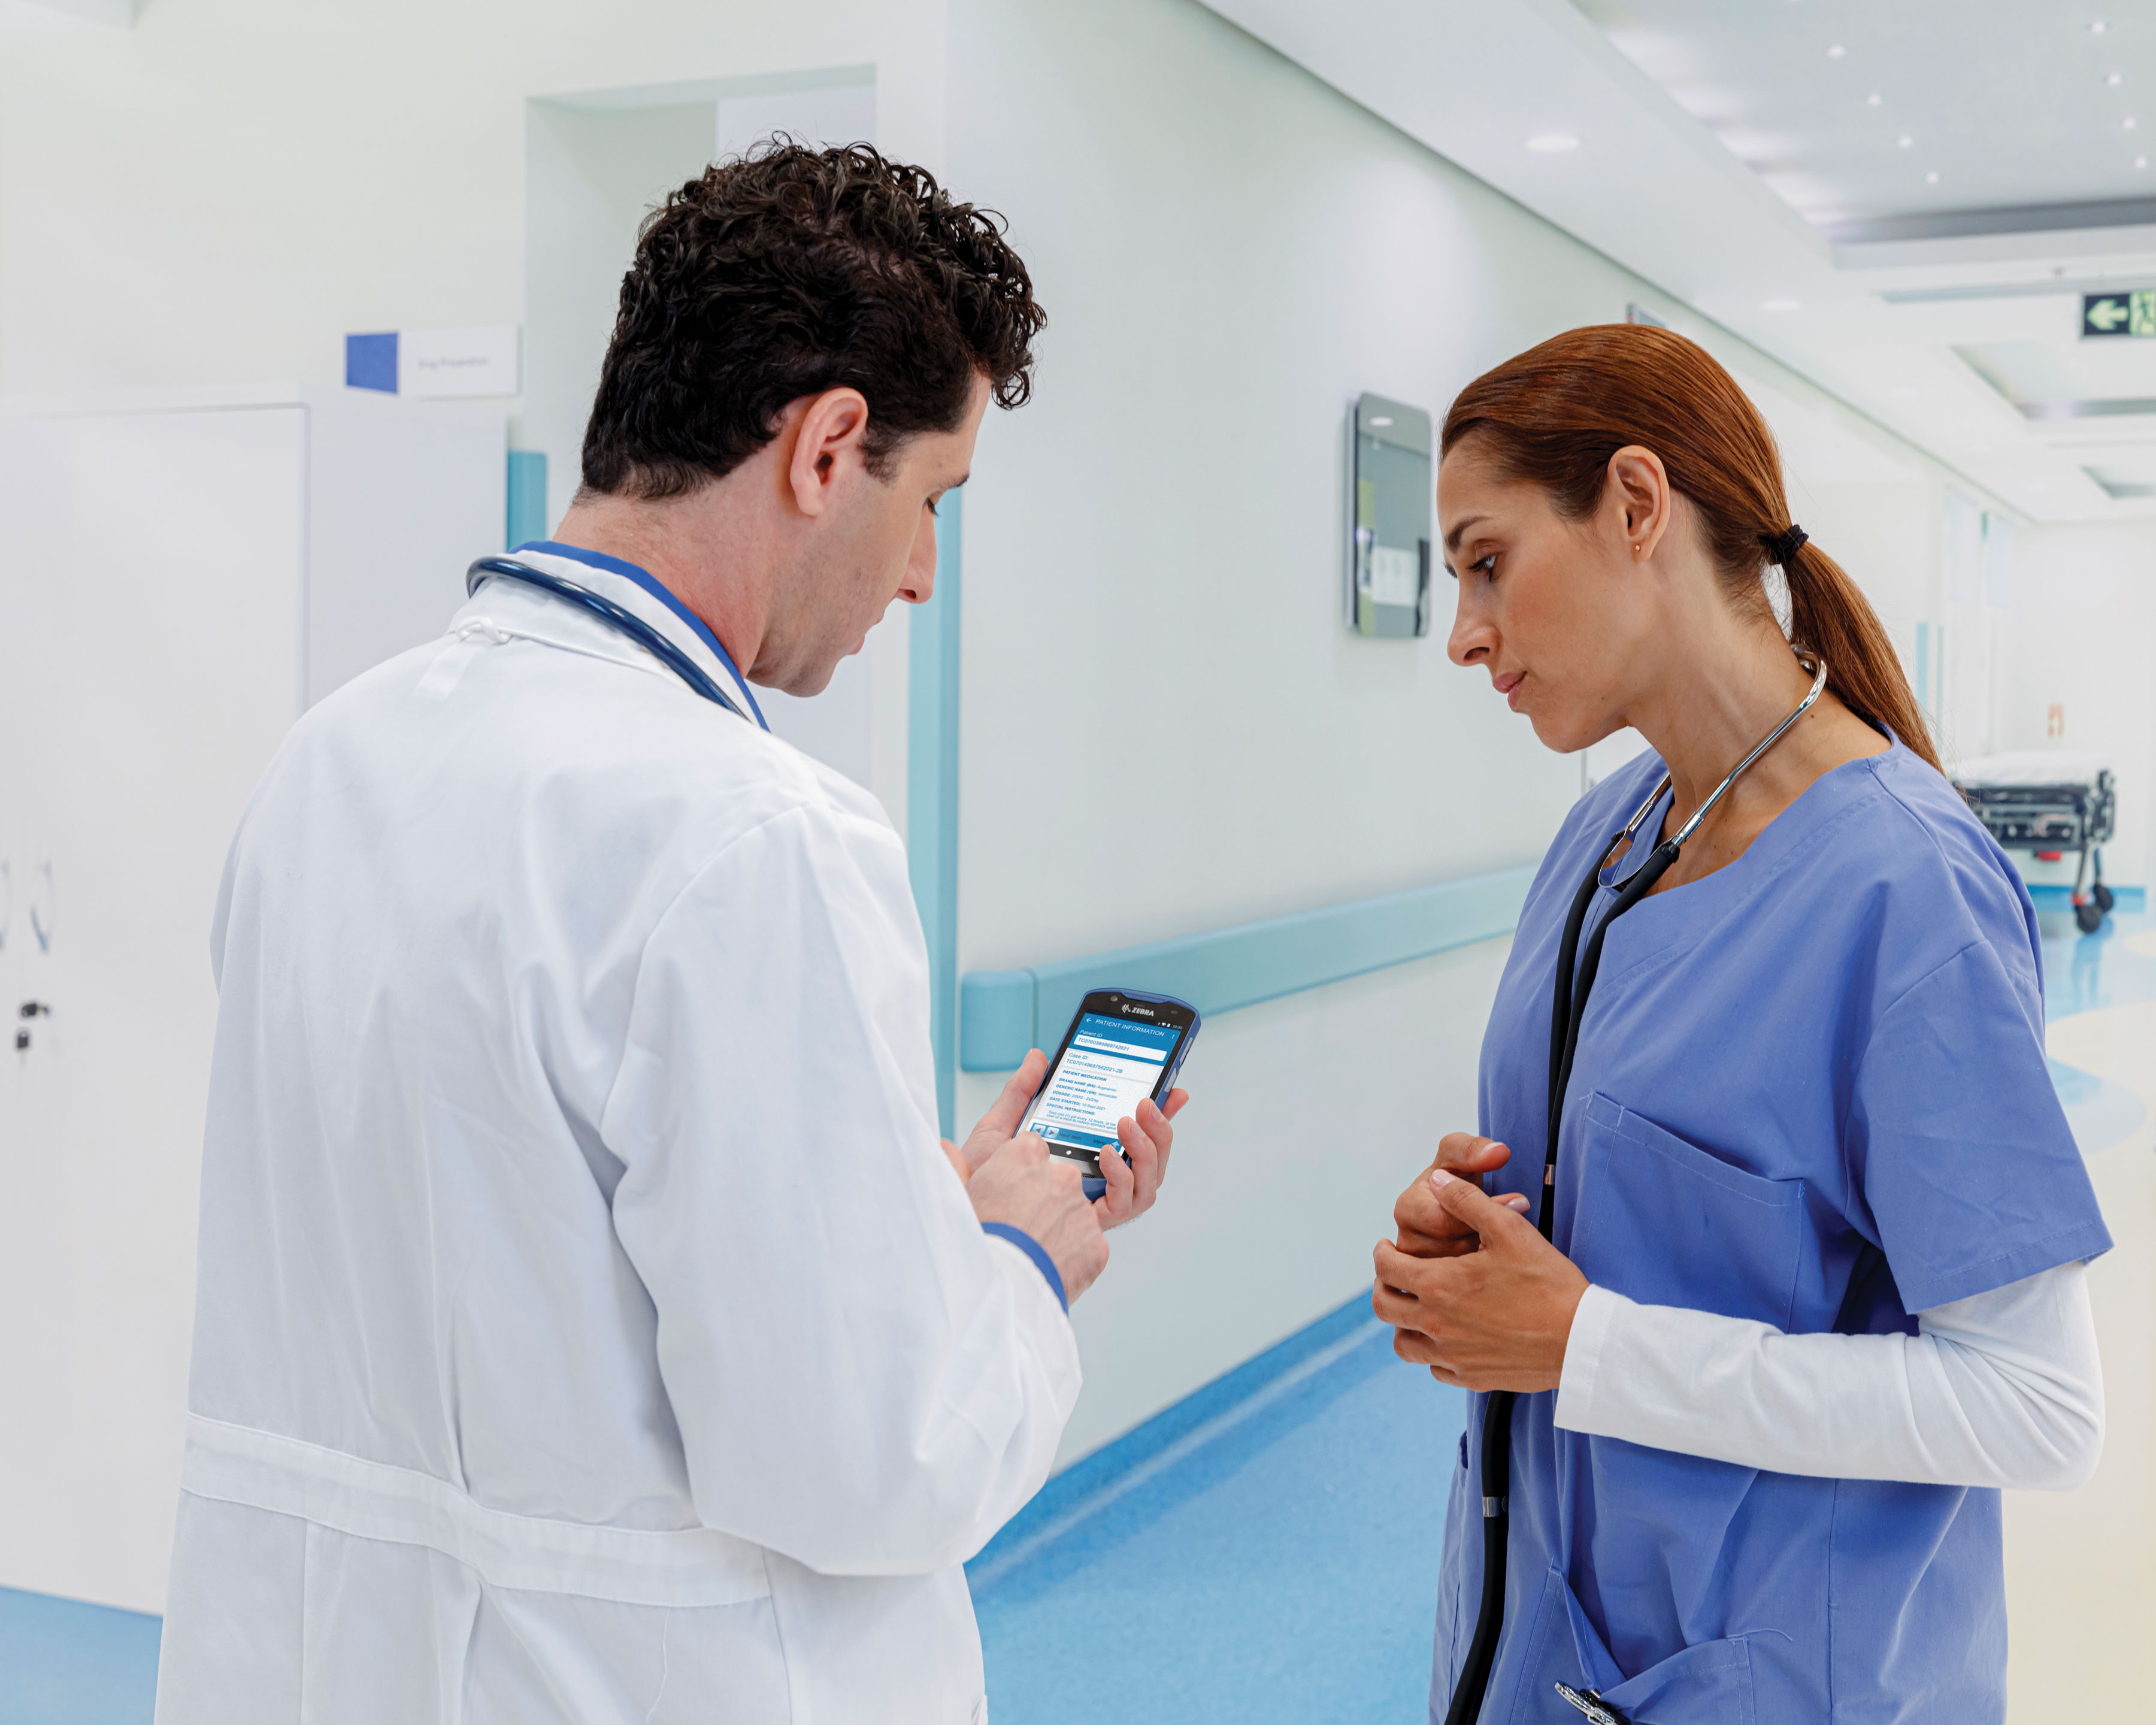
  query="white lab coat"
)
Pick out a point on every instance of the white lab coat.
point(589, 1327)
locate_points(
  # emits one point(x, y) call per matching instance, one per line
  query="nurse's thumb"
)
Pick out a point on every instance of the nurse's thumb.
point(1471, 1206)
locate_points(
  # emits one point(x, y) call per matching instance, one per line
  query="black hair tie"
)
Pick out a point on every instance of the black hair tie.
point(1781, 547)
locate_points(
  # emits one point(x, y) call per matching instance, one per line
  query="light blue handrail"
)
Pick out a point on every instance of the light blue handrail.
point(1003, 1012)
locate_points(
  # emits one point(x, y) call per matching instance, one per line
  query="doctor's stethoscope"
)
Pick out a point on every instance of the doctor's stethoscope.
point(1568, 1009)
point(622, 622)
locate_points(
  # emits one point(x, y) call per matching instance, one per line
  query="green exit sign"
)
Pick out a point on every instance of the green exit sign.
point(2128, 314)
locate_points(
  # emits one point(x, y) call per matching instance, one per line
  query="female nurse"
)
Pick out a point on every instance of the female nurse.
point(1797, 1283)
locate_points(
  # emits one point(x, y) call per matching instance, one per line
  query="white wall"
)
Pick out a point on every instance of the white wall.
point(2080, 632)
point(1166, 727)
point(221, 192)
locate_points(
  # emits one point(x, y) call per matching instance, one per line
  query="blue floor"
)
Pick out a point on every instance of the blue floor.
point(2082, 973)
point(1275, 1561)
point(63, 1663)
point(1265, 1551)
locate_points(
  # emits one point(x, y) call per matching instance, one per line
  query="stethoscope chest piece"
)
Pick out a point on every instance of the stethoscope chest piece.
point(1590, 1702)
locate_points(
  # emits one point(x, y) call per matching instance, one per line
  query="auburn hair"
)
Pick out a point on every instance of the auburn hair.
point(1554, 415)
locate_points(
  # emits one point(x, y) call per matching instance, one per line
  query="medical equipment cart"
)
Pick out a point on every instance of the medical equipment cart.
point(2048, 804)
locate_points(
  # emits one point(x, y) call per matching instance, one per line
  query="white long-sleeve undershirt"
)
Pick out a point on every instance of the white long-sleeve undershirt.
point(2002, 1389)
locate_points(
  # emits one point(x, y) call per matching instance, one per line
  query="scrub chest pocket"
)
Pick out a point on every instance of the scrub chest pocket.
point(1665, 1224)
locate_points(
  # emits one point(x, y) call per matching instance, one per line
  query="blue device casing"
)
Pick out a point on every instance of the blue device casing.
point(1094, 1186)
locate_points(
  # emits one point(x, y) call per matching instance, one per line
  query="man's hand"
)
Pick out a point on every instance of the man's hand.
point(1148, 1137)
point(1001, 1121)
point(1493, 1317)
point(1042, 1196)
point(1427, 1229)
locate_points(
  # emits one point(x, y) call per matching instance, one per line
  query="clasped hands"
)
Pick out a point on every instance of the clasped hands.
point(1470, 1287)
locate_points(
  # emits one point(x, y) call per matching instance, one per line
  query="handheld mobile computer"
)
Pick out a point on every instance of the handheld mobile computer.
point(1121, 1047)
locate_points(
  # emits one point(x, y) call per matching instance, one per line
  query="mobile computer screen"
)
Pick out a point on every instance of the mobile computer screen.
point(1118, 1051)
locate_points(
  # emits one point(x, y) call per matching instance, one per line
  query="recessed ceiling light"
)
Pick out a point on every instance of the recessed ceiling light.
point(1552, 143)
point(2116, 79)
point(2129, 123)
point(2099, 26)
point(1837, 52)
point(1874, 99)
point(1779, 305)
point(1933, 177)
point(2141, 161)
point(1904, 140)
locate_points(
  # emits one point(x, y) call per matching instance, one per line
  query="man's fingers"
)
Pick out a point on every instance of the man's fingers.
point(1115, 1204)
point(1018, 1090)
point(1145, 1156)
point(1160, 1134)
point(995, 1127)
point(1172, 1104)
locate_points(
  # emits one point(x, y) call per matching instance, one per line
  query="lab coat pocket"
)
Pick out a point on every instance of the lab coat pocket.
point(1707, 1684)
point(1664, 1223)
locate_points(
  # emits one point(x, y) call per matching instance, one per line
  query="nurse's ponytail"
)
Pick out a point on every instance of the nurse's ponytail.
point(1556, 415)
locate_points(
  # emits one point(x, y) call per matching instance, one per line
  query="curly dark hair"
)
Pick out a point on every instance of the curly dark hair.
point(788, 271)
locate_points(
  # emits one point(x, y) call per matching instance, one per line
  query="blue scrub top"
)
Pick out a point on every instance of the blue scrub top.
point(1810, 1089)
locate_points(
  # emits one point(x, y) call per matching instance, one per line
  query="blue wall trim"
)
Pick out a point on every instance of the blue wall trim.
point(527, 496)
point(1005, 1012)
point(931, 791)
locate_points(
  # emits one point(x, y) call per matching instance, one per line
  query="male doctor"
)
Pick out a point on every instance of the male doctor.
point(591, 1328)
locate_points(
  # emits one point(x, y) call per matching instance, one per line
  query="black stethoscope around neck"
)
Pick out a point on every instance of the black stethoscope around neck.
point(621, 621)
point(1567, 1008)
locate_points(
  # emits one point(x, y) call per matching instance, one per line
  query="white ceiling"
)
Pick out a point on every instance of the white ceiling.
point(23, 19)
point(1726, 156)
point(2008, 102)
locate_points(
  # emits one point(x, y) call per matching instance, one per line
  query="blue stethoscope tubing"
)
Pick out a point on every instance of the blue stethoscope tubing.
point(622, 622)
point(1568, 1007)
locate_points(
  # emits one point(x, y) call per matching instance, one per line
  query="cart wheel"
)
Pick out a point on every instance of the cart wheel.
point(2087, 918)
point(2103, 899)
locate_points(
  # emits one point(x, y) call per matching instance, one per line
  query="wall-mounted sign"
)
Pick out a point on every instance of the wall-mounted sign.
point(2121, 314)
point(1388, 475)
point(486, 360)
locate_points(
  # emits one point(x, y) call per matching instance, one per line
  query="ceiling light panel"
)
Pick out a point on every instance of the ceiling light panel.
point(1787, 74)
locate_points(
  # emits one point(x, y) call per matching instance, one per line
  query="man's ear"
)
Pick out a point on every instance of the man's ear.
point(828, 447)
point(1640, 493)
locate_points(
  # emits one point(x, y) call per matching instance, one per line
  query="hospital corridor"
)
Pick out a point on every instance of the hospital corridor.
point(1163, 861)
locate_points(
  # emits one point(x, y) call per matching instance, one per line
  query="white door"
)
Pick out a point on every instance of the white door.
point(151, 581)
